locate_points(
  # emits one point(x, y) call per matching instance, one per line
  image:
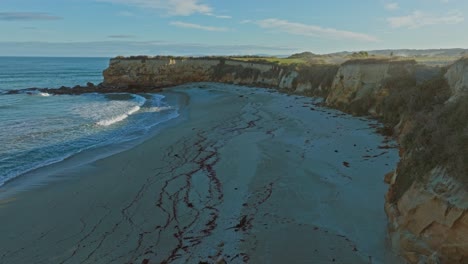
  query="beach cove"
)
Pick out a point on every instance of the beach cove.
point(242, 175)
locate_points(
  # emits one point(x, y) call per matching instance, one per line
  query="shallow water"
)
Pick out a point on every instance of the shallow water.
point(39, 129)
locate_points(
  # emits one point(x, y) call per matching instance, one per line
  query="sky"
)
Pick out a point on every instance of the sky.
point(227, 27)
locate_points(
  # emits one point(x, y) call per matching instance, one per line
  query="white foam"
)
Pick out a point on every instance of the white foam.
point(36, 93)
point(157, 109)
point(116, 119)
point(140, 100)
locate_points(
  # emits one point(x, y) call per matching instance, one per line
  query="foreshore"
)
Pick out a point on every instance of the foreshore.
point(244, 175)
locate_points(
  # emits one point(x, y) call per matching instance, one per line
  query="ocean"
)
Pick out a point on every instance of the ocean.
point(40, 129)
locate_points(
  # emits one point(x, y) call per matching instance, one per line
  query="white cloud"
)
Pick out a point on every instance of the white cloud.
point(392, 6)
point(223, 16)
point(197, 26)
point(419, 19)
point(312, 30)
point(172, 7)
point(219, 16)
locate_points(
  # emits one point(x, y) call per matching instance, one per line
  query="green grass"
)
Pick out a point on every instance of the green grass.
point(280, 61)
point(435, 60)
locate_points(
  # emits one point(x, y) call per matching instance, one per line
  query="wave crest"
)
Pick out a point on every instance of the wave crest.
point(140, 100)
point(158, 109)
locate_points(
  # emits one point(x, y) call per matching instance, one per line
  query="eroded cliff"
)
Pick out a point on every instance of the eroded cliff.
point(427, 200)
point(165, 71)
point(425, 107)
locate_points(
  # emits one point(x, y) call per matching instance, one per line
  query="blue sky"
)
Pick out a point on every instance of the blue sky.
point(200, 27)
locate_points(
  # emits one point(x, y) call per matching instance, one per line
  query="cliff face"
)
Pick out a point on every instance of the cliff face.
point(425, 107)
point(359, 86)
point(356, 80)
point(427, 200)
point(457, 77)
point(428, 218)
point(170, 72)
point(429, 223)
point(162, 72)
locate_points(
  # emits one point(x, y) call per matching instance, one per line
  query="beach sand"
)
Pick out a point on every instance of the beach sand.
point(245, 175)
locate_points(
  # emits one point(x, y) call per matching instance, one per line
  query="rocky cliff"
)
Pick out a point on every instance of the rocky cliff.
point(427, 200)
point(165, 71)
point(457, 77)
point(426, 108)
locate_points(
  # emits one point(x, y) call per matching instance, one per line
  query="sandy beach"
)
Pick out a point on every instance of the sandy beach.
point(244, 175)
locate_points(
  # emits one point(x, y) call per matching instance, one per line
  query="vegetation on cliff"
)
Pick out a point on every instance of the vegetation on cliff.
point(432, 130)
point(438, 133)
point(271, 60)
point(438, 138)
point(317, 75)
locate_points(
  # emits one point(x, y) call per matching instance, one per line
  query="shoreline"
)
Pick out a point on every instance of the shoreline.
point(38, 177)
point(238, 161)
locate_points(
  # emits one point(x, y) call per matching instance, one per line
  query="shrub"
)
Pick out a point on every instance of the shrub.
point(317, 75)
point(439, 138)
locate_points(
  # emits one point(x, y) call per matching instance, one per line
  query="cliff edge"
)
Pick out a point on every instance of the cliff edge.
point(425, 107)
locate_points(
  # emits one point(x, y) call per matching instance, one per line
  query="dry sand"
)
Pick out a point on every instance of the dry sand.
point(246, 175)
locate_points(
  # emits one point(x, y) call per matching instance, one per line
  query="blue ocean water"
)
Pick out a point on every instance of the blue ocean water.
point(40, 129)
point(26, 72)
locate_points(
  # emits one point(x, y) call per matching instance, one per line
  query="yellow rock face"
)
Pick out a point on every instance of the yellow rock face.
point(430, 222)
point(353, 80)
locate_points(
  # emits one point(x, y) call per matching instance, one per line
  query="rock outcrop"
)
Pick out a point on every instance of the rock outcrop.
point(425, 107)
point(124, 73)
point(428, 219)
point(427, 201)
point(168, 71)
point(429, 223)
point(360, 85)
point(457, 77)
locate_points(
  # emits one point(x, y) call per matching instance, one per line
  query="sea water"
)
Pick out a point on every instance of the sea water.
point(39, 129)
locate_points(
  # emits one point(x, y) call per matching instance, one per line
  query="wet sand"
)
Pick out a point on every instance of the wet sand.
point(244, 175)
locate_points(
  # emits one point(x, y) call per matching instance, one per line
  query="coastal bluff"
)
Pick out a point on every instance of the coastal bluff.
point(127, 73)
point(424, 107)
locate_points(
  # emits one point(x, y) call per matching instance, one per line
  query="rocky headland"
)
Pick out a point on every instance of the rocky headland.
point(424, 107)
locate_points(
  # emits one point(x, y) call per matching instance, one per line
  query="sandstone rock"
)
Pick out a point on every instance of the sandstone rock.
point(361, 81)
point(457, 77)
point(390, 178)
point(165, 71)
point(426, 225)
point(352, 79)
